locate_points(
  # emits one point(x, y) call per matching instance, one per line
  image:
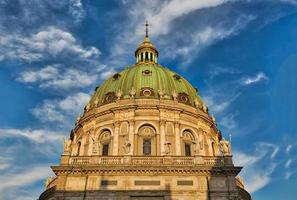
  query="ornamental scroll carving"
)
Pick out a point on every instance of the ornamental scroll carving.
point(146, 132)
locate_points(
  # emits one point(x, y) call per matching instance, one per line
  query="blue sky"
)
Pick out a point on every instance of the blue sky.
point(241, 55)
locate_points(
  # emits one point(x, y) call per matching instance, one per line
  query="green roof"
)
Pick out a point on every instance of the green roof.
point(146, 75)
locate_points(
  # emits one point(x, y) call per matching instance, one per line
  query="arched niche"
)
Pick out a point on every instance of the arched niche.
point(123, 138)
point(146, 143)
point(188, 143)
point(170, 139)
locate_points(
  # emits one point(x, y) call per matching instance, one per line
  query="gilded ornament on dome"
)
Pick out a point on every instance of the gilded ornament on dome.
point(161, 93)
point(174, 95)
point(119, 94)
point(132, 92)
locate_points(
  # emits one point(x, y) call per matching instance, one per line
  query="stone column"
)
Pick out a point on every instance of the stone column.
point(131, 136)
point(162, 137)
point(177, 139)
point(116, 138)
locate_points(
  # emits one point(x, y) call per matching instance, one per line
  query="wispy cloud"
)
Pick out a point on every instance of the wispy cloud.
point(164, 16)
point(15, 180)
point(48, 43)
point(258, 165)
point(38, 135)
point(77, 10)
point(289, 148)
point(59, 77)
point(60, 110)
point(259, 77)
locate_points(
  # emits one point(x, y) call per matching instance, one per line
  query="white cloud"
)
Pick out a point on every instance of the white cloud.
point(58, 110)
point(76, 9)
point(258, 166)
point(217, 103)
point(228, 122)
point(288, 163)
point(163, 15)
point(161, 18)
point(58, 77)
point(23, 178)
point(35, 135)
point(255, 79)
point(4, 162)
point(289, 148)
point(50, 42)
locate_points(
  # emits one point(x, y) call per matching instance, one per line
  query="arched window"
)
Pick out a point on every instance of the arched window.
point(187, 149)
point(141, 56)
point(105, 149)
point(213, 148)
point(189, 143)
point(146, 56)
point(146, 142)
point(147, 149)
point(105, 142)
point(151, 56)
point(78, 147)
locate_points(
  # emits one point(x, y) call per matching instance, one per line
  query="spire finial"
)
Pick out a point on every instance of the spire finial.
point(146, 28)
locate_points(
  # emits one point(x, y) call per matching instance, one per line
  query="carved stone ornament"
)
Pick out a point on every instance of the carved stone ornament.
point(213, 118)
point(109, 97)
point(119, 94)
point(197, 103)
point(96, 101)
point(174, 95)
point(161, 93)
point(132, 92)
point(88, 106)
point(146, 132)
point(78, 118)
point(204, 108)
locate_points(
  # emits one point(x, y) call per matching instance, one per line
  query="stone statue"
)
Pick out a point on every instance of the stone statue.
point(67, 145)
point(204, 107)
point(213, 118)
point(174, 95)
point(88, 106)
point(78, 118)
point(132, 92)
point(197, 103)
point(119, 94)
point(225, 147)
point(127, 146)
point(167, 148)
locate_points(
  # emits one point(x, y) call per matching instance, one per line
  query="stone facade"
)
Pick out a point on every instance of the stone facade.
point(145, 148)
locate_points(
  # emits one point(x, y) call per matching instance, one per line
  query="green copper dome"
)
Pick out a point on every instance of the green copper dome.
point(146, 80)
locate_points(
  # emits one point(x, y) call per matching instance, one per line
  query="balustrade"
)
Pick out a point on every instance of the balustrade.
point(146, 160)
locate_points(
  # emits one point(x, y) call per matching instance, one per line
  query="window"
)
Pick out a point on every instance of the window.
point(146, 55)
point(105, 150)
point(141, 56)
point(187, 149)
point(78, 148)
point(151, 56)
point(213, 148)
point(147, 147)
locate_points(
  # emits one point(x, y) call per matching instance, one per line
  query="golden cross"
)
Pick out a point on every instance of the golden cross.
point(146, 28)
